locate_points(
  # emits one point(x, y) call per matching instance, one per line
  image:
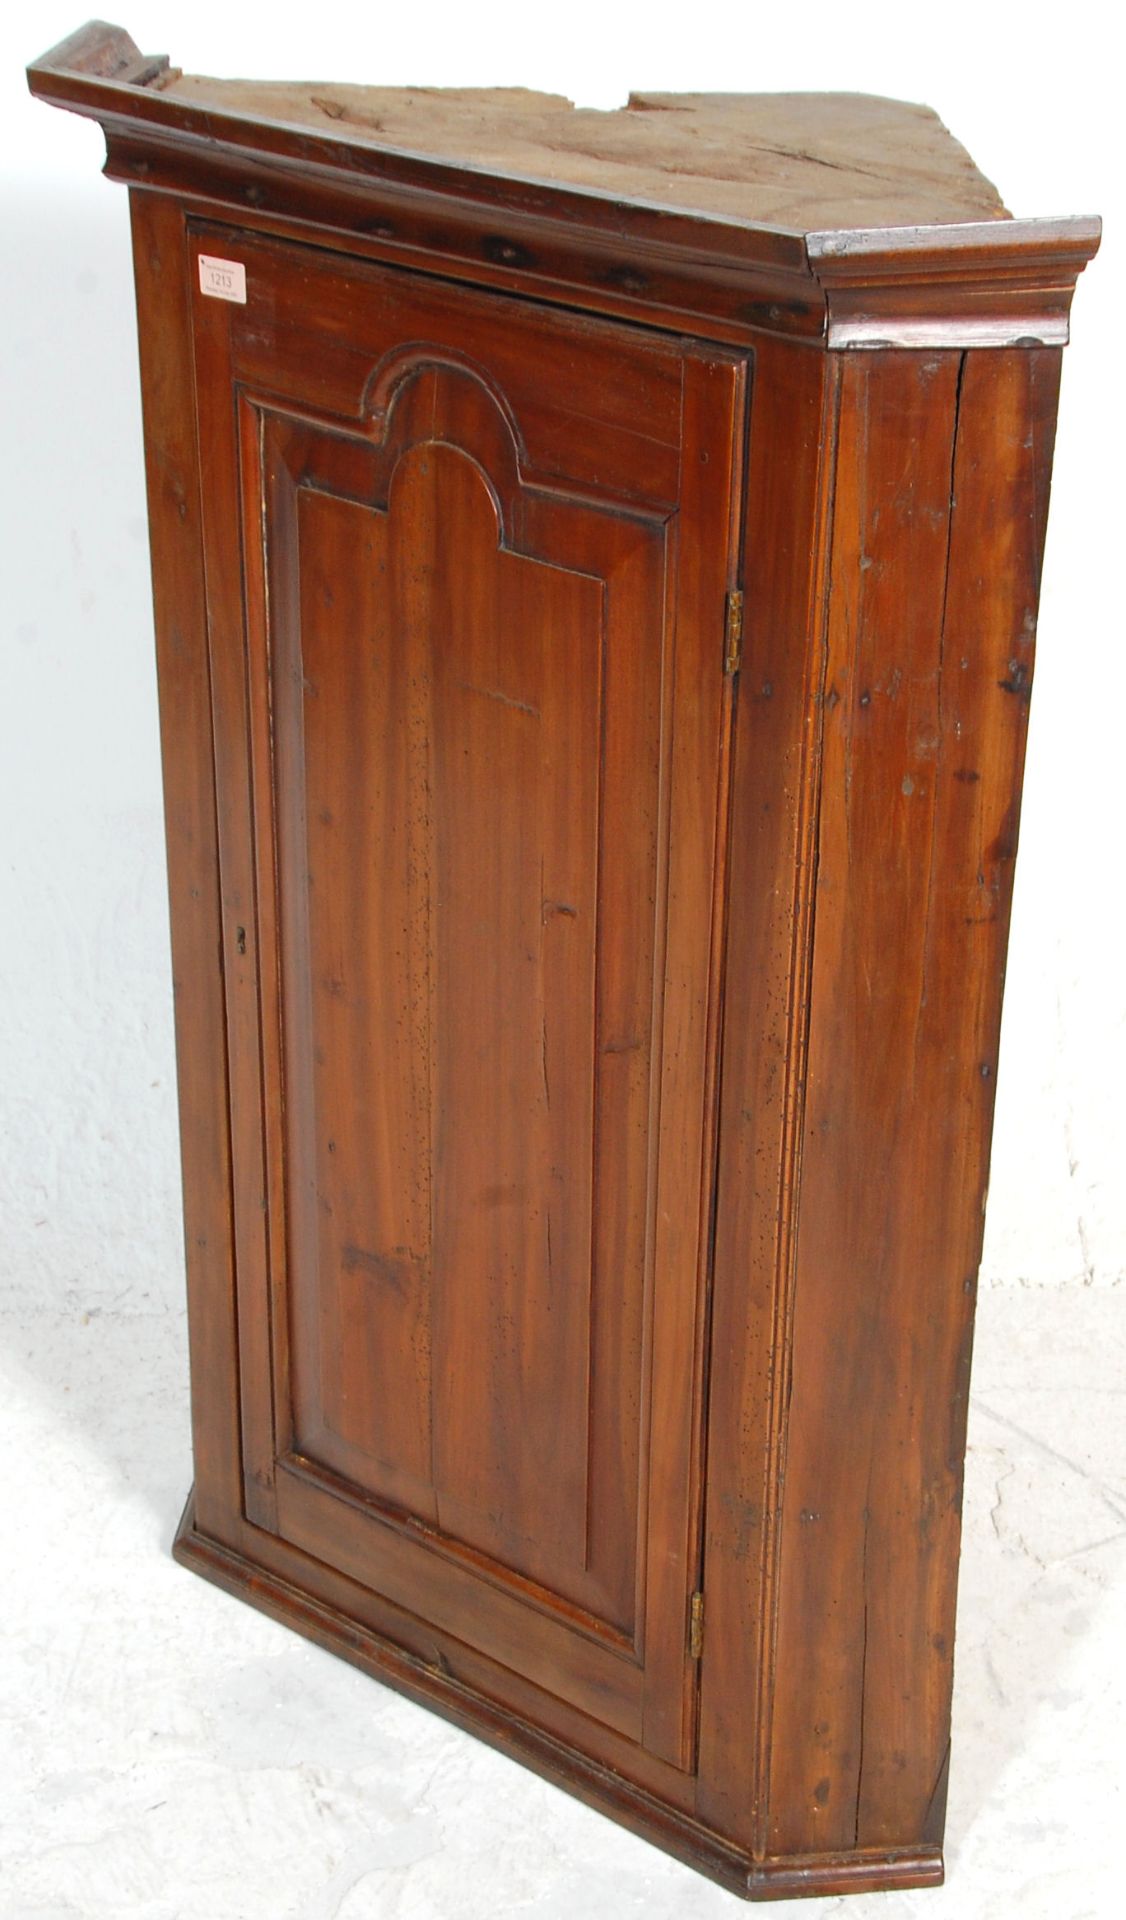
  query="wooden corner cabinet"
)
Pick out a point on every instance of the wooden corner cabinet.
point(596, 561)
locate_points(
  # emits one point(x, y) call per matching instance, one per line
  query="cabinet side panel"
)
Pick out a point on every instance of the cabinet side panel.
point(164, 327)
point(939, 517)
point(771, 822)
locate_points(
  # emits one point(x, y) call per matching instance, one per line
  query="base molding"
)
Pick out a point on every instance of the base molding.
point(630, 1806)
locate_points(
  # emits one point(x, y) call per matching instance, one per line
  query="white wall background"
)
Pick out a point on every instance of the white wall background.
point(89, 1196)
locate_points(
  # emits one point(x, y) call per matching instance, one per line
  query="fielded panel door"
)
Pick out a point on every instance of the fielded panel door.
point(467, 562)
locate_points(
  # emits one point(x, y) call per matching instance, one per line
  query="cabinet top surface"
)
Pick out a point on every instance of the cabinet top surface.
point(797, 161)
point(793, 163)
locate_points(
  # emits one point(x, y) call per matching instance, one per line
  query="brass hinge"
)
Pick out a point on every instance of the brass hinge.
point(696, 1626)
point(733, 636)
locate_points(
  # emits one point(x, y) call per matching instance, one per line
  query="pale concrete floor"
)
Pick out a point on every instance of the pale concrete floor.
point(168, 1754)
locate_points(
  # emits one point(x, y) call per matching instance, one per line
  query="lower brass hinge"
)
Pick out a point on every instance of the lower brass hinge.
point(696, 1626)
point(733, 637)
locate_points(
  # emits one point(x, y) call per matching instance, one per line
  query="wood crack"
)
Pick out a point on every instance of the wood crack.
point(940, 673)
point(936, 1789)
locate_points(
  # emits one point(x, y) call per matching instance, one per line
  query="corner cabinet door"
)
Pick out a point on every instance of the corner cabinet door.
point(467, 562)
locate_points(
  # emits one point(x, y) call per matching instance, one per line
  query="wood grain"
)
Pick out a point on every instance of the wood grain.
point(791, 160)
point(184, 688)
point(773, 822)
point(940, 501)
point(657, 1818)
point(476, 742)
point(587, 1053)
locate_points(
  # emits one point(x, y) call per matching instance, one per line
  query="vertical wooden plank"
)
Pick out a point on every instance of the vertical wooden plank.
point(1005, 434)
point(939, 520)
point(165, 343)
point(770, 860)
point(699, 717)
point(267, 1430)
point(224, 532)
point(626, 1040)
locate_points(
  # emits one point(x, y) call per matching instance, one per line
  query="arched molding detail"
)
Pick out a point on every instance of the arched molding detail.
point(420, 394)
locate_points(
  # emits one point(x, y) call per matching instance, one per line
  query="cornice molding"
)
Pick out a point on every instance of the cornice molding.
point(978, 284)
